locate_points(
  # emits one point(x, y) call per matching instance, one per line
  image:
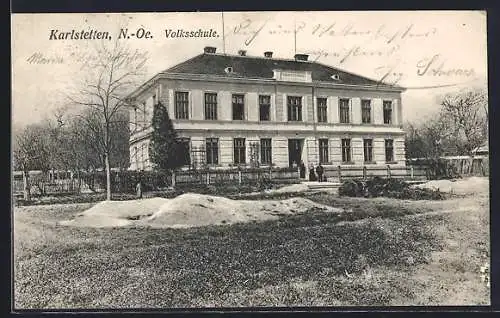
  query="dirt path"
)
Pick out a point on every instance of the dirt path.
point(453, 272)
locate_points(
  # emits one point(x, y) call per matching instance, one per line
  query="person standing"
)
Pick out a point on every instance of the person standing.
point(302, 170)
point(138, 188)
point(319, 171)
point(312, 174)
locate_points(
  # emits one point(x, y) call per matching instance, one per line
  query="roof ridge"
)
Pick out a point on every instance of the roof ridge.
point(259, 57)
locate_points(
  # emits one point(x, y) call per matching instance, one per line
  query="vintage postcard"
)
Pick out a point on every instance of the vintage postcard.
point(250, 159)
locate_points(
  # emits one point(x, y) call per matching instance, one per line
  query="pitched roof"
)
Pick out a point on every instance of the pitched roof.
point(262, 68)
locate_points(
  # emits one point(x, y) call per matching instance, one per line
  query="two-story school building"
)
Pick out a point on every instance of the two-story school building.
point(238, 110)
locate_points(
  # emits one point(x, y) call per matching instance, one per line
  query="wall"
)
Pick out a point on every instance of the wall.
point(279, 129)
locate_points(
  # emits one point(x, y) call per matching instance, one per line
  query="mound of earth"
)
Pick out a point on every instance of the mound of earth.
point(116, 213)
point(190, 210)
point(472, 185)
point(299, 187)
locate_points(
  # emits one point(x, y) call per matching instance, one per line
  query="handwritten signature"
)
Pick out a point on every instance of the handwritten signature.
point(433, 66)
point(85, 59)
point(42, 58)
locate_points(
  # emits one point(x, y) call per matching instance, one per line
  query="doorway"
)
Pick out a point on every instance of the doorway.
point(295, 151)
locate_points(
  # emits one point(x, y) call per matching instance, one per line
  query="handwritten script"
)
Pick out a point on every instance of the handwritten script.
point(378, 43)
point(252, 29)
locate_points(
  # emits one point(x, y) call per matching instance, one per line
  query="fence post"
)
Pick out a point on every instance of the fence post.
point(388, 171)
point(239, 177)
point(339, 173)
point(173, 179)
point(208, 177)
point(411, 172)
point(270, 172)
point(364, 172)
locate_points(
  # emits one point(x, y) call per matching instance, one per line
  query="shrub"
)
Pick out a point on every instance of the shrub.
point(391, 188)
point(351, 188)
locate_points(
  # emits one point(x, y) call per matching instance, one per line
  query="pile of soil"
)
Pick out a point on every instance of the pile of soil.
point(116, 213)
point(472, 185)
point(299, 187)
point(190, 210)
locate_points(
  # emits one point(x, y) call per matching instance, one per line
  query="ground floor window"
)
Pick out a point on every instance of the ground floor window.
point(212, 151)
point(368, 150)
point(389, 150)
point(323, 151)
point(265, 151)
point(239, 150)
point(183, 151)
point(346, 150)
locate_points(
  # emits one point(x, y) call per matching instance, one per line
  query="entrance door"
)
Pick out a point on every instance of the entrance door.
point(294, 151)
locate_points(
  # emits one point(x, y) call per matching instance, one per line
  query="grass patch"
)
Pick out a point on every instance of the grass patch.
point(218, 265)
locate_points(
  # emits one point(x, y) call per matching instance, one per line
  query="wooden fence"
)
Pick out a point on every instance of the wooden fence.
point(125, 181)
point(339, 173)
point(234, 176)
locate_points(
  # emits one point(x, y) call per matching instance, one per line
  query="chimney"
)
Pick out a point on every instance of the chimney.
point(301, 57)
point(268, 54)
point(209, 49)
point(242, 53)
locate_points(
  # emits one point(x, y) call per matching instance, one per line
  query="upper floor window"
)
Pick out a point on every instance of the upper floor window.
point(368, 150)
point(387, 112)
point(294, 108)
point(238, 107)
point(211, 106)
point(239, 151)
point(366, 111)
point(323, 151)
point(265, 151)
point(344, 110)
point(389, 150)
point(265, 107)
point(181, 105)
point(346, 150)
point(322, 110)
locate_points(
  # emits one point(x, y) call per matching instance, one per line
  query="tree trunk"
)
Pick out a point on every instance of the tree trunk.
point(79, 180)
point(26, 186)
point(108, 177)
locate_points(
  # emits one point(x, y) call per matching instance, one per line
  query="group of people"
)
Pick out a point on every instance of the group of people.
point(315, 174)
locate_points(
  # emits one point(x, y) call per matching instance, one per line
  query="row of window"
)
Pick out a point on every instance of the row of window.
point(265, 148)
point(294, 108)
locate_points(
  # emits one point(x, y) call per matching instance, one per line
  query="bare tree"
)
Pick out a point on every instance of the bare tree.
point(427, 140)
point(467, 116)
point(107, 80)
point(31, 151)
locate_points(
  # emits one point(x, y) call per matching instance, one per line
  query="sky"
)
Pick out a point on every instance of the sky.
point(428, 52)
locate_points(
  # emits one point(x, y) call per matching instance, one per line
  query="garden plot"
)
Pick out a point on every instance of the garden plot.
point(190, 210)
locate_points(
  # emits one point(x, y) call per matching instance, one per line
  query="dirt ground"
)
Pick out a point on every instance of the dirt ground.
point(374, 252)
